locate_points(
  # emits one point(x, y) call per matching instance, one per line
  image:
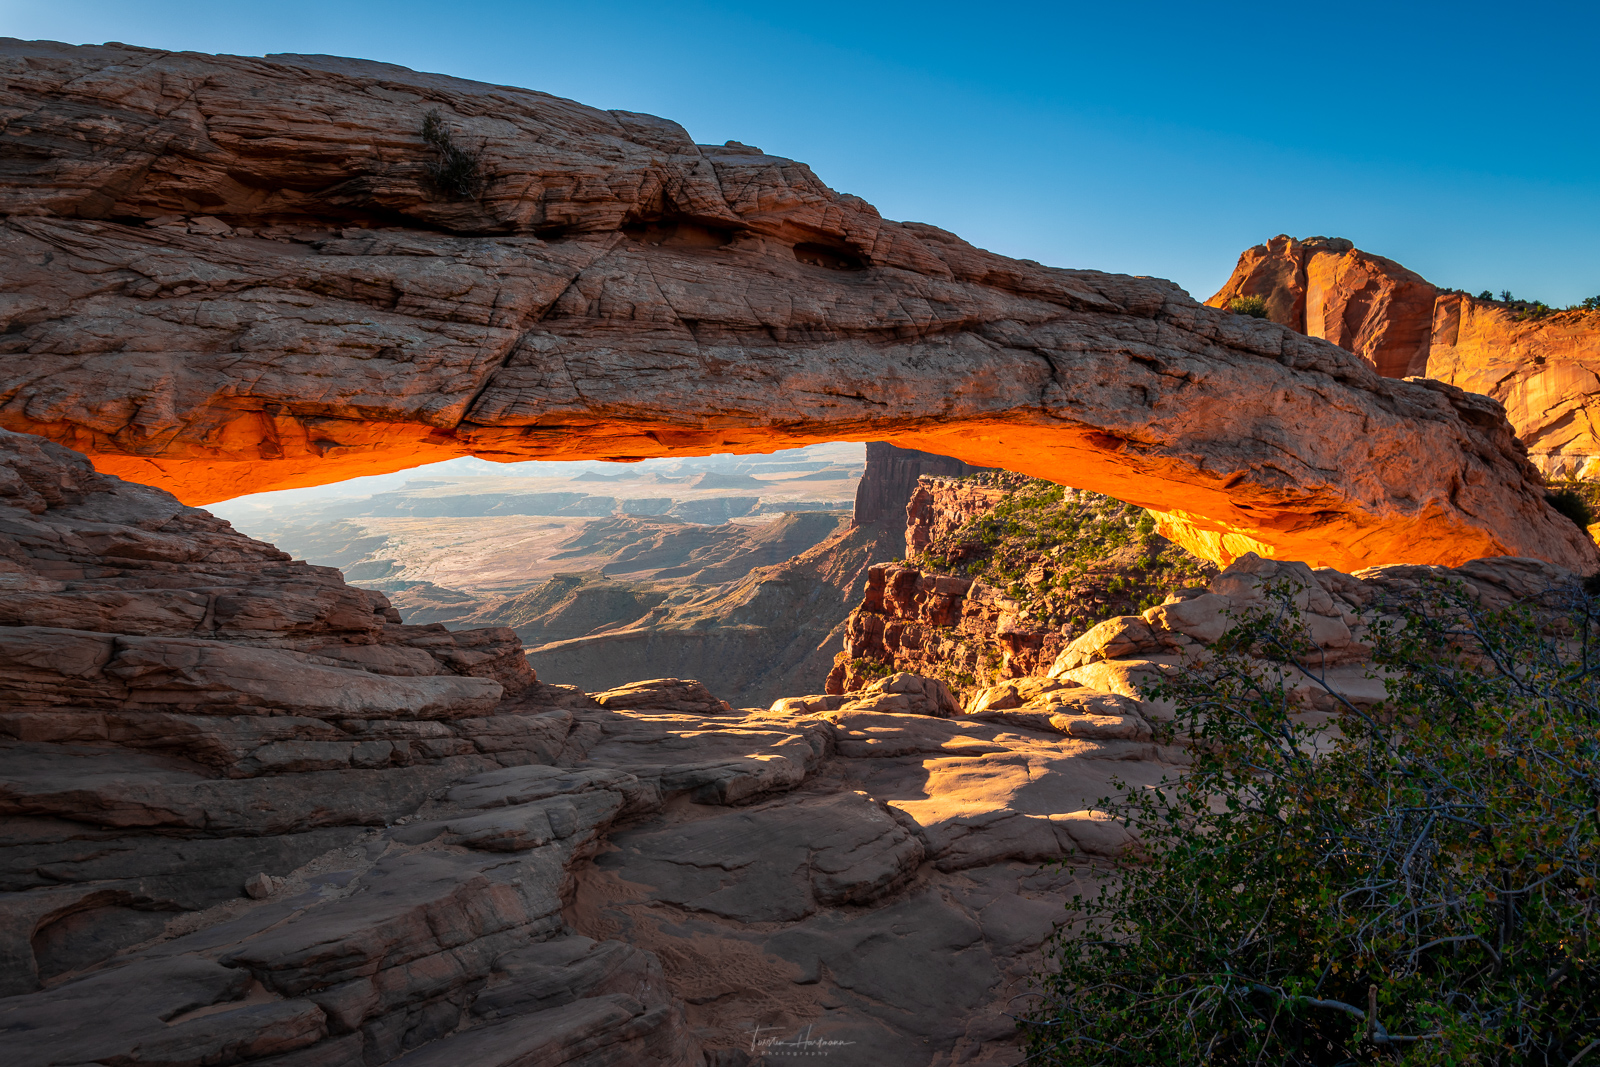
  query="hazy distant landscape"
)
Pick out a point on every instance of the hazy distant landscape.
point(488, 528)
point(565, 551)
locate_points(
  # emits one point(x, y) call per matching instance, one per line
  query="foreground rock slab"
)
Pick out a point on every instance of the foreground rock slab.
point(226, 274)
point(246, 817)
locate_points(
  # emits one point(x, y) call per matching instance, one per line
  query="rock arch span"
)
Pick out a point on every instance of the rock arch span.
point(221, 275)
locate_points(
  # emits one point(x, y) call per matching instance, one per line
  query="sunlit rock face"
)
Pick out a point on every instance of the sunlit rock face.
point(223, 275)
point(1544, 370)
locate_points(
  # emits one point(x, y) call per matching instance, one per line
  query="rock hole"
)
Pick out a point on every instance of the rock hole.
point(671, 233)
point(831, 258)
point(81, 939)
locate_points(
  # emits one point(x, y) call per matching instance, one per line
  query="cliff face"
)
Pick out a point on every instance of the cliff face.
point(1543, 370)
point(1326, 287)
point(938, 507)
point(962, 632)
point(223, 275)
point(891, 477)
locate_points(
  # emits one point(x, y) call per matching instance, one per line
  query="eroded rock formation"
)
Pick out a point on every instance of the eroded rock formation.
point(248, 818)
point(227, 274)
point(890, 478)
point(245, 814)
point(979, 601)
point(1545, 369)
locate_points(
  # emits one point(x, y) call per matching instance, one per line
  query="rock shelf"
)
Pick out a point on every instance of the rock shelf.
point(249, 818)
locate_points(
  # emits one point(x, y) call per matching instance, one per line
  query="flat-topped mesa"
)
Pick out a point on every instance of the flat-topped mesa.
point(224, 275)
point(1541, 366)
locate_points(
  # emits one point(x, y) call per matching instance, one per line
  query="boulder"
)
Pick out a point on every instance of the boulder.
point(815, 703)
point(1016, 693)
point(1112, 639)
point(1203, 618)
point(906, 694)
point(664, 694)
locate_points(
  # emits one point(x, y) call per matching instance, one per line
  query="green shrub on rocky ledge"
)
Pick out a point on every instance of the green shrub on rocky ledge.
point(1253, 306)
point(1426, 890)
point(870, 668)
point(1577, 500)
point(1071, 558)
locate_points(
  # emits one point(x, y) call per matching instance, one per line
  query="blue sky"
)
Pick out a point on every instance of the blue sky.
point(1156, 138)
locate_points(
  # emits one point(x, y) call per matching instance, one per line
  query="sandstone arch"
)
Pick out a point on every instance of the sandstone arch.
point(224, 275)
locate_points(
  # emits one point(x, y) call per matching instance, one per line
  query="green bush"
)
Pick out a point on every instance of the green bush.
point(1572, 504)
point(1420, 889)
point(871, 668)
point(1100, 556)
point(1254, 306)
point(455, 171)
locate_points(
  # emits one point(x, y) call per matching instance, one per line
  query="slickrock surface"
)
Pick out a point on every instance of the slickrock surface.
point(222, 274)
point(1545, 371)
point(249, 818)
point(246, 815)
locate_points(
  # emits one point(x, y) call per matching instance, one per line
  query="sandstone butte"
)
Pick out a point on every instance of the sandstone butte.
point(223, 275)
point(1545, 371)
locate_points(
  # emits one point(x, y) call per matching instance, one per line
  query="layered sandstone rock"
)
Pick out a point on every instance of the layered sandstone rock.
point(246, 818)
point(939, 506)
point(246, 815)
point(1000, 654)
point(939, 625)
point(1543, 370)
point(1326, 287)
point(1335, 614)
point(229, 274)
point(977, 602)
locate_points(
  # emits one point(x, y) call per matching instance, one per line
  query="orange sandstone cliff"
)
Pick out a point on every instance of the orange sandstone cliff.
point(1545, 370)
